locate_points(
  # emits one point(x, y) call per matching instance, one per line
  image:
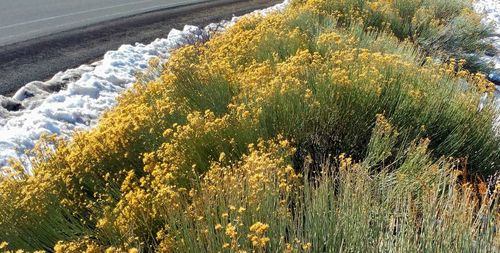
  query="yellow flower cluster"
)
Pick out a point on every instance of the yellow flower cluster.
point(257, 235)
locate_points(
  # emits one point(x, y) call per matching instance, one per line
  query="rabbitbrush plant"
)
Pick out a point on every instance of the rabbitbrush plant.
point(336, 126)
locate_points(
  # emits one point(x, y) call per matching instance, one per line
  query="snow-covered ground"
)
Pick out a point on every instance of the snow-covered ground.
point(75, 99)
point(490, 10)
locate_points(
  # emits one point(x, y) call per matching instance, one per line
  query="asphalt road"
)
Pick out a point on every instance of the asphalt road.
point(43, 56)
point(27, 19)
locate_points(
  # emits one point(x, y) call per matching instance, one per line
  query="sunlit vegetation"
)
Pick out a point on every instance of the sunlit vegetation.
point(335, 126)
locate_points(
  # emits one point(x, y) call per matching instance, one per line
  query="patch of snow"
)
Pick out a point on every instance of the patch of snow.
point(75, 99)
point(490, 10)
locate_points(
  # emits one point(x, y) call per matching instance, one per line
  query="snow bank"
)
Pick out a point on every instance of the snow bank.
point(490, 10)
point(75, 99)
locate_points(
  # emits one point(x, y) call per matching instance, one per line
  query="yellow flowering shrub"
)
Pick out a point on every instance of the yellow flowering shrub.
point(227, 201)
point(258, 138)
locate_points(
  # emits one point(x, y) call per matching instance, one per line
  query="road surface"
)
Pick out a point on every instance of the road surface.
point(26, 19)
point(42, 57)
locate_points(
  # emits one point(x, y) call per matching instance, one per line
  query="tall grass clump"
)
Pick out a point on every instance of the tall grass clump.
point(305, 130)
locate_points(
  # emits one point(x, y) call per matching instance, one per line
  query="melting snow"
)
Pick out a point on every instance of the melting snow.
point(490, 10)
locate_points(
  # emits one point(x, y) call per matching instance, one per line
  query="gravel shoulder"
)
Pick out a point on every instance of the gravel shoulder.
point(41, 58)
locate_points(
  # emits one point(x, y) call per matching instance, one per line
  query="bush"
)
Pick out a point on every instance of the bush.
point(255, 138)
point(450, 29)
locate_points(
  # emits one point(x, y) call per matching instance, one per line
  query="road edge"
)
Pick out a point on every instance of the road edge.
point(36, 57)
